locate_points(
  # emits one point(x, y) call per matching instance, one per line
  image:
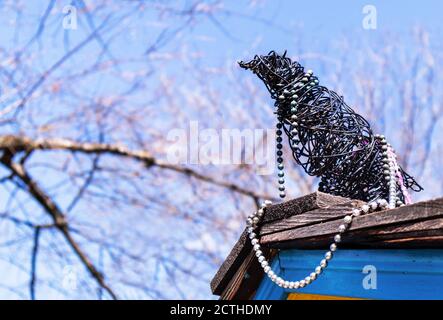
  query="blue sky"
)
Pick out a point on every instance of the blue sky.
point(278, 25)
point(307, 29)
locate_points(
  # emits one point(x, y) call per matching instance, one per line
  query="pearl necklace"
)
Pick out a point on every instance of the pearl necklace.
point(255, 219)
point(393, 178)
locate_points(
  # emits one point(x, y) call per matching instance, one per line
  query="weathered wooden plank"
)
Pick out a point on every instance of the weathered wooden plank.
point(411, 243)
point(300, 205)
point(337, 209)
point(275, 212)
point(416, 234)
point(232, 262)
point(378, 222)
point(363, 239)
point(410, 227)
point(312, 220)
point(239, 277)
point(246, 280)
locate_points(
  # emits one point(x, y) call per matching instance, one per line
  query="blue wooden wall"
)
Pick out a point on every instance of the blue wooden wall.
point(401, 274)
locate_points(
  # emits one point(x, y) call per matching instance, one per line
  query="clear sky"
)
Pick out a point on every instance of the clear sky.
point(309, 30)
point(278, 25)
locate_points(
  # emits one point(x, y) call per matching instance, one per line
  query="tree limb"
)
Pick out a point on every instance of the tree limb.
point(17, 144)
point(34, 263)
point(57, 216)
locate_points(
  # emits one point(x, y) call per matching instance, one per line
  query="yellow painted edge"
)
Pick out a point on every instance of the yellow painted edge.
point(308, 296)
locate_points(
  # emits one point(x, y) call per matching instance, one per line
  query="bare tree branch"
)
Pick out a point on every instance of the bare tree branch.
point(33, 280)
point(57, 216)
point(18, 144)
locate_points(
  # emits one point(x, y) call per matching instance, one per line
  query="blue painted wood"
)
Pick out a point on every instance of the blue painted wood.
point(401, 274)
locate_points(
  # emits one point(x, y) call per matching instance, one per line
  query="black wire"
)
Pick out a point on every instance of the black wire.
point(332, 141)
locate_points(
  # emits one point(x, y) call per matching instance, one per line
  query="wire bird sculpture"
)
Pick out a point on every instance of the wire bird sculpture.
point(327, 138)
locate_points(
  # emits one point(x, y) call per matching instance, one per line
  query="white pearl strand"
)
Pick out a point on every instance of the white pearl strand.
point(253, 224)
point(254, 220)
point(393, 169)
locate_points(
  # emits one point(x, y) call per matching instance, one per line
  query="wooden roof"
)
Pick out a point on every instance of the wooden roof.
point(309, 222)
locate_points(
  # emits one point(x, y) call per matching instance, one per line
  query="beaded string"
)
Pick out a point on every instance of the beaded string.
point(253, 221)
point(328, 139)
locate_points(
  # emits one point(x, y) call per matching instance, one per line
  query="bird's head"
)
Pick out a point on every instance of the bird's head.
point(276, 71)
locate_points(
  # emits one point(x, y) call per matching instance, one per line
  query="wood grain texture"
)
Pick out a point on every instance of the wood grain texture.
point(400, 222)
point(336, 209)
point(246, 280)
point(296, 206)
point(275, 212)
point(233, 261)
point(310, 222)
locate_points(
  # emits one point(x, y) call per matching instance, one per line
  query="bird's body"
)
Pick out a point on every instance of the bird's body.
point(327, 138)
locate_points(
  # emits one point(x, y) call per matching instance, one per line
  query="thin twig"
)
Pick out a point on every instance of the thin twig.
point(33, 280)
point(58, 217)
